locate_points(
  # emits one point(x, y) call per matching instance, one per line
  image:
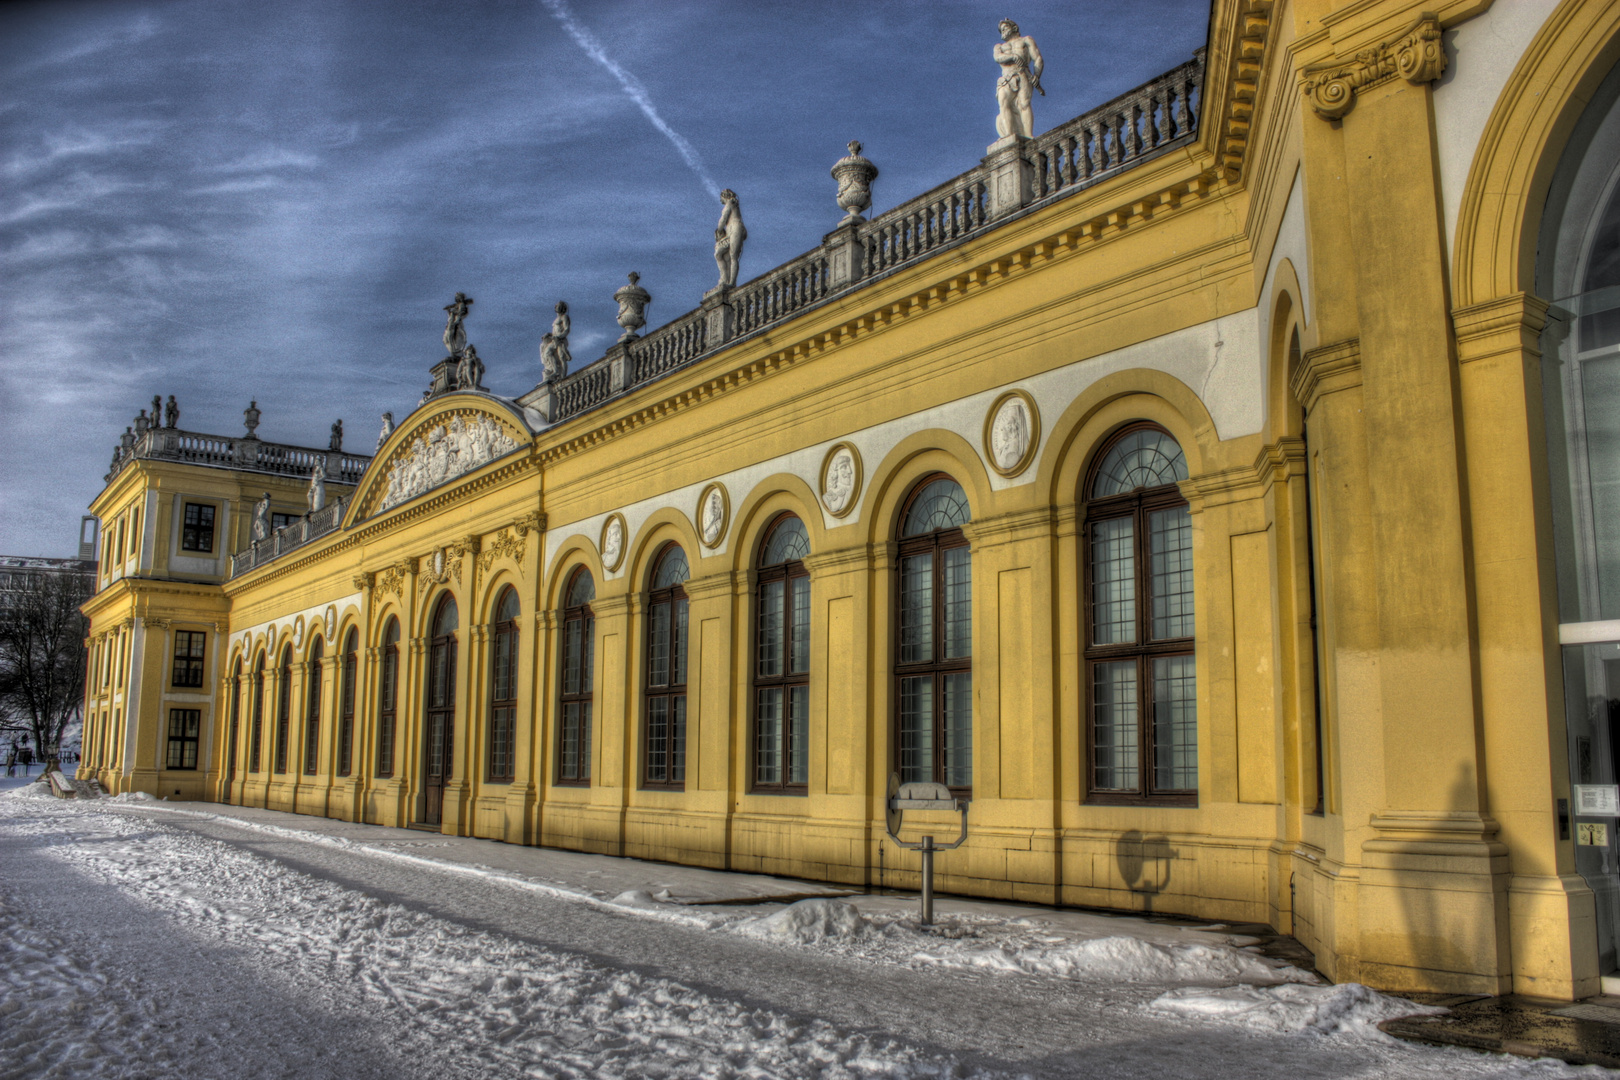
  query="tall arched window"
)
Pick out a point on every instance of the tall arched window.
point(388, 700)
point(934, 655)
point(256, 736)
point(312, 709)
point(578, 648)
point(351, 673)
point(1140, 669)
point(236, 722)
point(439, 720)
point(665, 714)
point(284, 710)
point(503, 688)
point(782, 661)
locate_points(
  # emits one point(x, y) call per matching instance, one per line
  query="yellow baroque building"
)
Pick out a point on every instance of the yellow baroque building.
point(1219, 489)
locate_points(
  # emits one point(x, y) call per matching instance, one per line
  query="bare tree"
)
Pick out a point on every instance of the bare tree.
point(42, 658)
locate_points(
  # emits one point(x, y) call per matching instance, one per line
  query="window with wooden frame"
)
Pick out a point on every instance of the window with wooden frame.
point(664, 714)
point(184, 728)
point(351, 672)
point(503, 652)
point(281, 521)
point(256, 733)
point(439, 708)
point(312, 709)
point(197, 528)
point(236, 721)
point(1140, 670)
point(782, 661)
point(388, 700)
point(189, 646)
point(284, 711)
point(934, 648)
point(576, 700)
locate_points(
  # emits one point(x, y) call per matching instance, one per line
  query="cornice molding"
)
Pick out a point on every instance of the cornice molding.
point(1507, 324)
point(1417, 55)
point(1325, 370)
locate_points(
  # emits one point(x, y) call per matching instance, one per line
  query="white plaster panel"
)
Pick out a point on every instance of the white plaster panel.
point(1221, 361)
point(244, 636)
point(1480, 55)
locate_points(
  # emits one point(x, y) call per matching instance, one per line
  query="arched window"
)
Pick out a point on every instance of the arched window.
point(578, 654)
point(439, 721)
point(388, 700)
point(256, 736)
point(503, 688)
point(312, 709)
point(1140, 669)
point(782, 661)
point(665, 714)
point(351, 672)
point(236, 722)
point(284, 710)
point(934, 654)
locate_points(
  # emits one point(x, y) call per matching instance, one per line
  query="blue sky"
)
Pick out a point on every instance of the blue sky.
point(228, 202)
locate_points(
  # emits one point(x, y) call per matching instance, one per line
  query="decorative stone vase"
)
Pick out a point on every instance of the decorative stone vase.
point(854, 175)
point(633, 301)
point(250, 418)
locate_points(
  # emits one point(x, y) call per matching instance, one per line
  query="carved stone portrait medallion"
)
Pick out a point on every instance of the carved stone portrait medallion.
point(713, 509)
point(1012, 431)
point(298, 632)
point(329, 618)
point(438, 563)
point(841, 479)
point(612, 545)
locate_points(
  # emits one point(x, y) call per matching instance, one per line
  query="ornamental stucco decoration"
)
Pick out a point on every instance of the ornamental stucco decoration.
point(505, 543)
point(1012, 431)
point(1417, 56)
point(841, 479)
point(443, 452)
point(392, 580)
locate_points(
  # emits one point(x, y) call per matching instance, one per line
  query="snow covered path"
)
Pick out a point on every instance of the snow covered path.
point(137, 942)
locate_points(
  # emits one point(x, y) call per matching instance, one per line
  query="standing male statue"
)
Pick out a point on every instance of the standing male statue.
point(1020, 64)
point(728, 238)
point(470, 372)
point(455, 334)
point(316, 495)
point(554, 355)
point(336, 441)
point(261, 518)
point(172, 415)
point(387, 429)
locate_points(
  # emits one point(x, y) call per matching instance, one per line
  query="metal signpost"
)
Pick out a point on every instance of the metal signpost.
point(923, 796)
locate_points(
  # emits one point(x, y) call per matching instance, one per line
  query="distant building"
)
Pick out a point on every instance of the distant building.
point(1220, 488)
point(15, 571)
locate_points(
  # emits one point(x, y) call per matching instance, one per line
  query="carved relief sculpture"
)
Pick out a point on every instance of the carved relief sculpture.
point(443, 453)
point(840, 480)
point(712, 515)
point(633, 301)
point(1011, 430)
point(854, 175)
point(613, 542)
point(1417, 56)
point(1021, 68)
point(728, 238)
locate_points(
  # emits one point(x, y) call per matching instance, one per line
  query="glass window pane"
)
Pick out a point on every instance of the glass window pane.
point(788, 543)
point(940, 505)
point(657, 740)
point(917, 608)
point(1113, 581)
point(581, 590)
point(678, 675)
point(658, 647)
point(1142, 459)
point(958, 603)
point(584, 740)
point(768, 737)
point(587, 633)
point(1114, 724)
point(1170, 533)
point(573, 643)
point(799, 734)
point(771, 620)
point(672, 569)
point(1175, 723)
point(959, 729)
point(569, 751)
point(799, 662)
point(677, 736)
point(916, 729)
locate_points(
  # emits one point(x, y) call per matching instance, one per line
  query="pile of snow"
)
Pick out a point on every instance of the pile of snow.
point(36, 790)
point(809, 922)
point(1349, 1008)
point(133, 797)
point(1124, 959)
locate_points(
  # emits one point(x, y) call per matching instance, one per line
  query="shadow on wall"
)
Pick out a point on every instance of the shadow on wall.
point(1144, 864)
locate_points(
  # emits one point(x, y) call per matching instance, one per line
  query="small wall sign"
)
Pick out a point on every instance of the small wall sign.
point(1597, 800)
point(1591, 834)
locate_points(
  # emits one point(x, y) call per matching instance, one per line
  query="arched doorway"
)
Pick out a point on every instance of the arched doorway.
point(439, 715)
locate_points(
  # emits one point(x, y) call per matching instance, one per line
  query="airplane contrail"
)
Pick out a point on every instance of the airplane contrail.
point(632, 87)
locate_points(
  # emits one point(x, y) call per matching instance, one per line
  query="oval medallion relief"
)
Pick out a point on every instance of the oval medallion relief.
point(1012, 431)
point(841, 479)
point(713, 510)
point(612, 545)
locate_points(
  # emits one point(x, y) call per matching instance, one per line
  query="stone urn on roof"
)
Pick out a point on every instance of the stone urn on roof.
point(854, 175)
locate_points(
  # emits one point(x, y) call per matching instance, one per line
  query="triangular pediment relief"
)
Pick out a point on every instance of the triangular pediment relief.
point(427, 453)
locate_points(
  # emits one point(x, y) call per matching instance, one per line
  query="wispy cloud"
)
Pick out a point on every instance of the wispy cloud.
point(632, 88)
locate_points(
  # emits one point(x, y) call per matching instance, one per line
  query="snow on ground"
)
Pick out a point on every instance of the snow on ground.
point(461, 998)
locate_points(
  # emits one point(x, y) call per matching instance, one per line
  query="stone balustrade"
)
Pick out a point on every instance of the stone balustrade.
point(246, 453)
point(292, 535)
point(1137, 125)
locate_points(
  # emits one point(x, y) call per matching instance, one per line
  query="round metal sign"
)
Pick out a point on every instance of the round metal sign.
point(893, 815)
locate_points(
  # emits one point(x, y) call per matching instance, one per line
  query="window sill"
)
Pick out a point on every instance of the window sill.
point(1172, 802)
